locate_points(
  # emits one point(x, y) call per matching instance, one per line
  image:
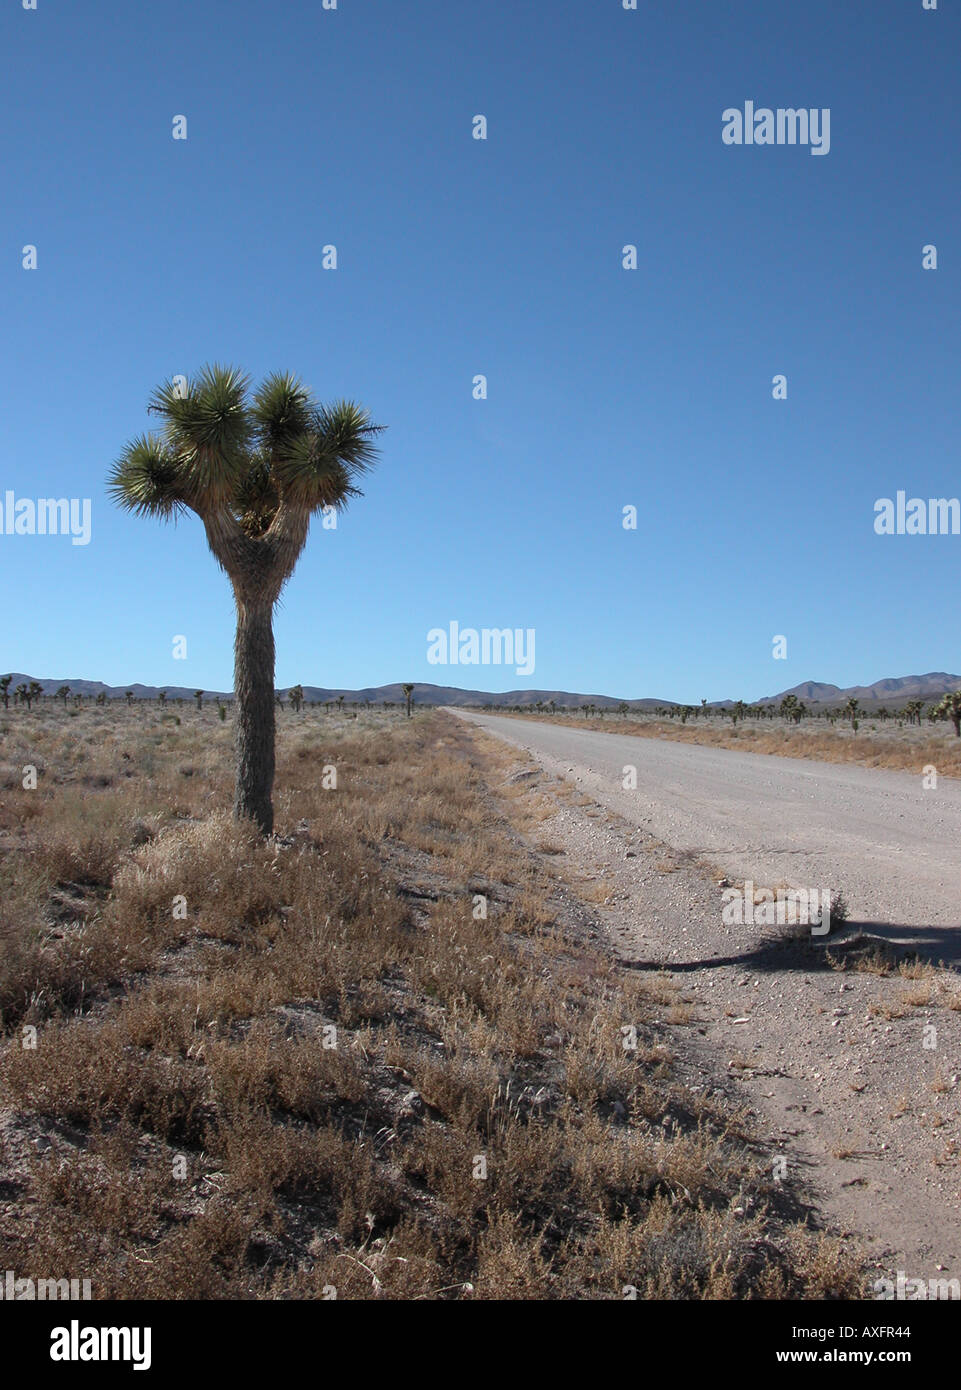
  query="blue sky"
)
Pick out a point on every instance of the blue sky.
point(459, 257)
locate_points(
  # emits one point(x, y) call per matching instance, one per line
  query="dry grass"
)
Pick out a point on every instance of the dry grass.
point(235, 1068)
point(931, 987)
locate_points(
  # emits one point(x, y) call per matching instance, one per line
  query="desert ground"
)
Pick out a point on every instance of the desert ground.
point(847, 1046)
point(416, 1045)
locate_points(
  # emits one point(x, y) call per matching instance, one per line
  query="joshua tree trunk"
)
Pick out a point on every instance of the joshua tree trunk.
point(254, 688)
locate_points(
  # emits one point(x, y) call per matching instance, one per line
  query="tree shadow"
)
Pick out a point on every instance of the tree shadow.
point(775, 954)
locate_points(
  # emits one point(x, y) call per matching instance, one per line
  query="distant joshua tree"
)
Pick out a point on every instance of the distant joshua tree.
point(4, 691)
point(296, 696)
point(254, 468)
point(199, 697)
point(851, 710)
point(162, 697)
point(63, 693)
point(792, 708)
point(950, 708)
point(408, 696)
point(912, 711)
point(101, 697)
point(26, 694)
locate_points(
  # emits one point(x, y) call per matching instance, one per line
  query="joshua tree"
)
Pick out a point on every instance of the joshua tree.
point(162, 697)
point(101, 697)
point(340, 704)
point(62, 694)
point(254, 469)
point(199, 697)
point(950, 708)
point(912, 711)
point(408, 696)
point(4, 690)
point(296, 696)
point(128, 696)
point(20, 694)
point(851, 712)
point(792, 708)
point(34, 691)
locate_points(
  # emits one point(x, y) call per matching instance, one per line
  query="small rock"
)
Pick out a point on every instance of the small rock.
point(411, 1104)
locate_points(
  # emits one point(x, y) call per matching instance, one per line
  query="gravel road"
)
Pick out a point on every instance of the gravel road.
point(892, 848)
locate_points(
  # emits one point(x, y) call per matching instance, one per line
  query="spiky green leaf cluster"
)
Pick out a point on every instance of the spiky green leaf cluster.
point(221, 448)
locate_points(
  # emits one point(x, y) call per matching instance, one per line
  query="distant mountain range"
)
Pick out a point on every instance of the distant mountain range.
point(893, 691)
